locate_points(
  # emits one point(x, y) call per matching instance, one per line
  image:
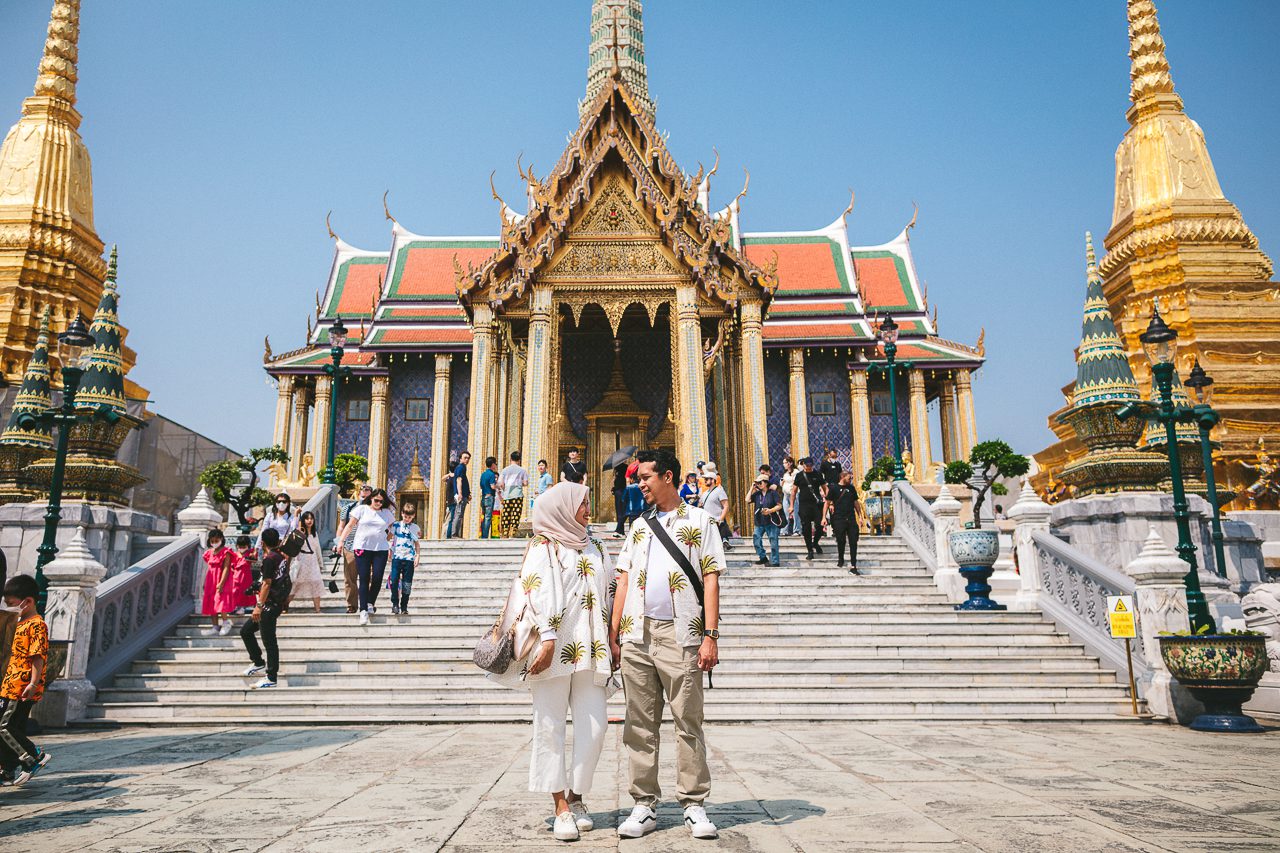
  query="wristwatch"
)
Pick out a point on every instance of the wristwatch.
point(714, 633)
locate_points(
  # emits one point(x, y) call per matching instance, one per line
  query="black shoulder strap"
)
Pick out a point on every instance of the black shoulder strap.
point(676, 554)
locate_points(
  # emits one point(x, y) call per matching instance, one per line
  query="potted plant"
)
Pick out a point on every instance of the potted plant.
point(1220, 670)
point(976, 550)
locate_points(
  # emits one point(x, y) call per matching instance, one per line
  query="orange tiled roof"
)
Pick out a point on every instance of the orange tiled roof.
point(806, 264)
point(424, 268)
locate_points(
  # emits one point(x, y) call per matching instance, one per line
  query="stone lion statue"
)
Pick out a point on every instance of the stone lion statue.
point(1262, 613)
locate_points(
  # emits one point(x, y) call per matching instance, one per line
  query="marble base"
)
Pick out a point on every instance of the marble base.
point(64, 702)
point(112, 533)
point(1266, 699)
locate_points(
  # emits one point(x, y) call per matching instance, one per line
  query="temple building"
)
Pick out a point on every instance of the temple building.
point(621, 309)
point(1176, 239)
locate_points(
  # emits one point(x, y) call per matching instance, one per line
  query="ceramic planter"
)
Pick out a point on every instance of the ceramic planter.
point(1222, 671)
point(976, 551)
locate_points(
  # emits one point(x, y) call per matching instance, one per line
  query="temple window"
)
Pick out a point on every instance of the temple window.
point(417, 408)
point(880, 403)
point(822, 403)
point(357, 410)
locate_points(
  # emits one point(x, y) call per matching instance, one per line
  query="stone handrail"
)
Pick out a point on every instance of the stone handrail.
point(1073, 592)
point(913, 521)
point(324, 503)
point(137, 607)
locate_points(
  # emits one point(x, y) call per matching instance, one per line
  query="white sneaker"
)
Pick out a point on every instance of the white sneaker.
point(254, 670)
point(695, 817)
point(225, 629)
point(643, 821)
point(584, 821)
point(267, 682)
point(364, 617)
point(565, 829)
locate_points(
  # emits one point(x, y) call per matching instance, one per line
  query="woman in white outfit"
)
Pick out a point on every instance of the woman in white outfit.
point(305, 568)
point(568, 581)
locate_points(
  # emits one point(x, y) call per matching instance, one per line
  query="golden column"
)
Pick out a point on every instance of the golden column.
point(692, 389)
point(947, 415)
point(280, 433)
point(859, 426)
point(379, 430)
point(537, 385)
point(298, 430)
point(320, 441)
point(799, 404)
point(920, 450)
point(753, 392)
point(479, 423)
point(439, 445)
point(966, 426)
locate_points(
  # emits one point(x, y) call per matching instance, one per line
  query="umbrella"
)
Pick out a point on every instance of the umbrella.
point(622, 454)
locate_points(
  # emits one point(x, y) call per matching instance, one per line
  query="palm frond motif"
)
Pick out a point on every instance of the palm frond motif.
point(626, 624)
point(598, 544)
point(695, 627)
point(585, 569)
point(530, 582)
point(572, 653)
point(555, 621)
point(676, 581)
point(598, 650)
point(641, 578)
point(604, 617)
point(689, 536)
point(524, 670)
point(682, 511)
point(613, 588)
point(707, 564)
point(637, 535)
point(589, 600)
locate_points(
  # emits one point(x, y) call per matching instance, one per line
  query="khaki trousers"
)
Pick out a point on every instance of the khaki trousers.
point(350, 580)
point(656, 666)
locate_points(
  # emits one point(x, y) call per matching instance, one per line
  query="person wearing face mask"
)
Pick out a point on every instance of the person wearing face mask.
point(282, 519)
point(23, 683)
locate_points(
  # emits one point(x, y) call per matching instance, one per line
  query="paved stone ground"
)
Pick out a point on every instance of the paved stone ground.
point(777, 787)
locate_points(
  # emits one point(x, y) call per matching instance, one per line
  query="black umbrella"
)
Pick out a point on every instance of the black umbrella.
point(622, 454)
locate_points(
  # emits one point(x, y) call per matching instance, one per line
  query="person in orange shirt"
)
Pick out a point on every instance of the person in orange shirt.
point(23, 683)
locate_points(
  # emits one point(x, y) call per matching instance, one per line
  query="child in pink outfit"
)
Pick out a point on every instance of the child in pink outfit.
point(217, 583)
point(242, 560)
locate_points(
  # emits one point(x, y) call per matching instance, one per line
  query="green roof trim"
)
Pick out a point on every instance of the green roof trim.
point(900, 266)
point(340, 285)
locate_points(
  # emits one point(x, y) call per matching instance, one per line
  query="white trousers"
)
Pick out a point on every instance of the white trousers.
point(552, 699)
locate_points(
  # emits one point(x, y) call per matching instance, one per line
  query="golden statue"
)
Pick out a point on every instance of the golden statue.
point(1268, 482)
point(909, 466)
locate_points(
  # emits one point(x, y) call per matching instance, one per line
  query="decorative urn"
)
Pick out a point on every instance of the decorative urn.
point(975, 552)
point(1220, 670)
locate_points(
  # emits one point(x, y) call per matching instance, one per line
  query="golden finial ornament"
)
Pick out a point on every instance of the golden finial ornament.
point(327, 217)
point(266, 349)
point(386, 211)
point(747, 183)
point(617, 70)
point(844, 217)
point(57, 76)
point(982, 341)
point(915, 214)
point(1149, 68)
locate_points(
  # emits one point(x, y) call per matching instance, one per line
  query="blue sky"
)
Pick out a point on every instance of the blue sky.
point(222, 132)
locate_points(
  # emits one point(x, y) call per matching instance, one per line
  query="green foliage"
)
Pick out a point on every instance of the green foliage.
point(223, 479)
point(1204, 630)
point(958, 473)
point(349, 469)
point(999, 489)
point(988, 462)
point(881, 470)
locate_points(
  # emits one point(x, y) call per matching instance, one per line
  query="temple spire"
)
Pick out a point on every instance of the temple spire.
point(617, 36)
point(104, 367)
point(1149, 69)
point(1102, 365)
point(57, 77)
point(33, 396)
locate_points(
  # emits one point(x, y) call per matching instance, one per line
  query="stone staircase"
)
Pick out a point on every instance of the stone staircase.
point(806, 641)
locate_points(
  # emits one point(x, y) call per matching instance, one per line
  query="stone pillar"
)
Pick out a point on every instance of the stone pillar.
point(946, 518)
point(1162, 607)
point(947, 416)
point(199, 516)
point(298, 429)
point(920, 451)
point(320, 445)
point(379, 431)
point(537, 383)
point(967, 426)
point(515, 413)
point(480, 423)
point(799, 403)
point(1029, 514)
point(753, 391)
point(439, 446)
point(73, 583)
point(691, 429)
point(860, 426)
point(284, 397)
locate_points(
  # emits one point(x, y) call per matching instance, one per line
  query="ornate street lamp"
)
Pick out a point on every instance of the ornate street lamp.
point(1206, 419)
point(337, 344)
point(71, 346)
point(888, 335)
point(1161, 346)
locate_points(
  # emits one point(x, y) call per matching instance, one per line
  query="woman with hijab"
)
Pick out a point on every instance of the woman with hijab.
point(567, 580)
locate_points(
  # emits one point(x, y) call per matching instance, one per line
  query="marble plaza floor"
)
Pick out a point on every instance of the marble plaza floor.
point(777, 787)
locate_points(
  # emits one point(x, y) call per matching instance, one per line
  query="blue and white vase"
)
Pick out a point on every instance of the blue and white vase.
point(976, 551)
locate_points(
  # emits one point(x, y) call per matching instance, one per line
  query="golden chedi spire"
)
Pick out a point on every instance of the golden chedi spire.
point(57, 77)
point(1149, 69)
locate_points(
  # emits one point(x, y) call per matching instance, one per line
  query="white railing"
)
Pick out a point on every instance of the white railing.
point(324, 504)
point(137, 607)
point(1073, 592)
point(913, 521)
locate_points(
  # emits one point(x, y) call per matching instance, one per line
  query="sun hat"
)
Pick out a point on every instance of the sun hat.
point(709, 470)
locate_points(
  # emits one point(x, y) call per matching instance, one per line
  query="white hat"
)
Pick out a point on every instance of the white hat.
point(709, 470)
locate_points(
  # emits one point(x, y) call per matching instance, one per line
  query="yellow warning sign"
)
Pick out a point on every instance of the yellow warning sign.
point(1120, 616)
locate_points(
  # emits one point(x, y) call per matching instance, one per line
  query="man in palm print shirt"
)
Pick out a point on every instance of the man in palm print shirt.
point(663, 639)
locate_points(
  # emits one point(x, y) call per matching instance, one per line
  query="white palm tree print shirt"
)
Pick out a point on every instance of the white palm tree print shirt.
point(697, 535)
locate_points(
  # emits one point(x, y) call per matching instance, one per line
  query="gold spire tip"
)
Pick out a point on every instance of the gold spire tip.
point(57, 75)
point(1149, 68)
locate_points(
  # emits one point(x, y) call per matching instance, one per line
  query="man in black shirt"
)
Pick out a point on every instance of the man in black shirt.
point(830, 470)
point(575, 470)
point(620, 497)
point(273, 592)
point(842, 505)
point(809, 506)
point(461, 492)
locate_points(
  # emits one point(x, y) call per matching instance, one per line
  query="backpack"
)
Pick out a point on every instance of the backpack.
point(293, 543)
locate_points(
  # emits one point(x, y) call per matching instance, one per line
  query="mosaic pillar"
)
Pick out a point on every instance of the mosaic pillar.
point(320, 439)
point(692, 428)
point(967, 425)
point(947, 415)
point(480, 418)
point(860, 425)
point(280, 434)
point(439, 445)
point(920, 451)
point(298, 429)
point(753, 391)
point(379, 430)
point(537, 385)
point(515, 411)
point(720, 413)
point(798, 401)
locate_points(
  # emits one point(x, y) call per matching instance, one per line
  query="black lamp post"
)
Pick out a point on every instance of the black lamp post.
point(1161, 345)
point(337, 344)
point(1206, 419)
point(888, 335)
point(71, 345)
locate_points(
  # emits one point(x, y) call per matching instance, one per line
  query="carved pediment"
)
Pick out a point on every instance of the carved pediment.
point(617, 259)
point(613, 214)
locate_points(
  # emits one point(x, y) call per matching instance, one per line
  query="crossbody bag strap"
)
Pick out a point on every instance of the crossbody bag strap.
point(676, 554)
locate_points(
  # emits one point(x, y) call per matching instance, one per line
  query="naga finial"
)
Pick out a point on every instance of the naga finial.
point(386, 211)
point(329, 226)
point(982, 341)
point(852, 198)
point(747, 183)
point(715, 167)
point(266, 349)
point(915, 212)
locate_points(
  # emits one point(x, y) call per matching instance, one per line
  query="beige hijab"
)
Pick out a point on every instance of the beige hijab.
point(554, 511)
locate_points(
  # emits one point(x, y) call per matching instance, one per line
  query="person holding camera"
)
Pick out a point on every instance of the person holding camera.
point(272, 592)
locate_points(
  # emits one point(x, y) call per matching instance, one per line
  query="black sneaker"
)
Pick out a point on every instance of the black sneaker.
point(840, 564)
point(817, 548)
point(762, 562)
point(809, 556)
